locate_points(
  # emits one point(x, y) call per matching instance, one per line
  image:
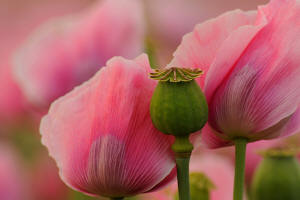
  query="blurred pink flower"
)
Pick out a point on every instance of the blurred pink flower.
point(253, 158)
point(12, 185)
point(67, 51)
point(101, 134)
point(251, 63)
point(11, 103)
point(218, 169)
point(45, 182)
point(17, 19)
point(171, 19)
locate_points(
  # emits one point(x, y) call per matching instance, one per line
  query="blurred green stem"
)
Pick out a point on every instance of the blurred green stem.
point(239, 177)
point(117, 198)
point(151, 52)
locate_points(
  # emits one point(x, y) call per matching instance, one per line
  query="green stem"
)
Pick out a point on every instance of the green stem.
point(183, 149)
point(117, 198)
point(239, 177)
point(182, 164)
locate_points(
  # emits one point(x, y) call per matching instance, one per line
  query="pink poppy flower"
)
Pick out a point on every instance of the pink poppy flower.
point(251, 63)
point(102, 137)
point(67, 51)
point(218, 169)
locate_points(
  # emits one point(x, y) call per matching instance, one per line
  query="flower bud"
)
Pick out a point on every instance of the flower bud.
point(178, 106)
point(201, 186)
point(277, 177)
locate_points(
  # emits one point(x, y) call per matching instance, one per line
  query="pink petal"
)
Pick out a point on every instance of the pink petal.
point(199, 48)
point(262, 87)
point(101, 134)
point(289, 126)
point(67, 51)
point(170, 178)
point(229, 51)
point(212, 139)
point(293, 125)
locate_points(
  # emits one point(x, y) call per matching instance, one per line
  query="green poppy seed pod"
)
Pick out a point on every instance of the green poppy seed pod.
point(277, 177)
point(178, 106)
point(201, 187)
